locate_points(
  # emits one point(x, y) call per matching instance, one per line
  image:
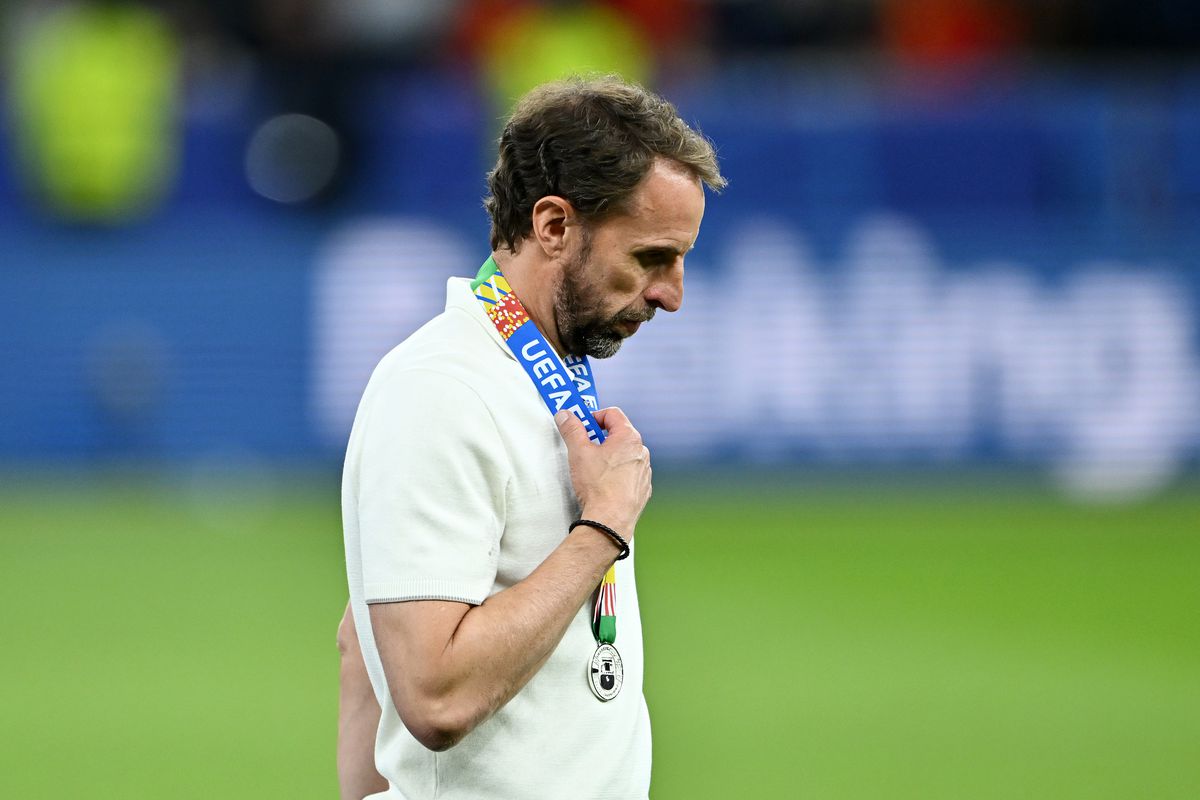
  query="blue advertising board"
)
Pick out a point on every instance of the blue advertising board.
point(987, 281)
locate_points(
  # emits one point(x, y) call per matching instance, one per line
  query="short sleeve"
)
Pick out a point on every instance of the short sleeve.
point(432, 473)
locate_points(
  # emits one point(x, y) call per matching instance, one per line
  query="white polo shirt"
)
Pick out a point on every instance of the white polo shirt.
point(456, 486)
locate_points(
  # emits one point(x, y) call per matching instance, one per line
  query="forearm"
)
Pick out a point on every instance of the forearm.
point(521, 626)
point(497, 646)
point(358, 720)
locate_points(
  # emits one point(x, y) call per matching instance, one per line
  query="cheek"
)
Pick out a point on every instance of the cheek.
point(624, 280)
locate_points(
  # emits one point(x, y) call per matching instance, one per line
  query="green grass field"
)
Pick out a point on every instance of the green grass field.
point(841, 640)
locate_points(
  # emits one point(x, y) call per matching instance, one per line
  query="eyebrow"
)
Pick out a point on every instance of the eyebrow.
point(662, 248)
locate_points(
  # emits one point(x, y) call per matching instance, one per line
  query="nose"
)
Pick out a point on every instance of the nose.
point(666, 289)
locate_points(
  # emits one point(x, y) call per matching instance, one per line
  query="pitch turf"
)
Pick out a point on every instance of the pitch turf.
point(912, 641)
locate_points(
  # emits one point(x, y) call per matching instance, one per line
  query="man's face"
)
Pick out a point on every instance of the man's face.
point(629, 265)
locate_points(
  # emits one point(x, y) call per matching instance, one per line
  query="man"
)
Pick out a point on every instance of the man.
point(488, 631)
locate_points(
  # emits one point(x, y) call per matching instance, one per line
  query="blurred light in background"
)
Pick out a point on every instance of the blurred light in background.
point(292, 158)
point(94, 93)
point(538, 43)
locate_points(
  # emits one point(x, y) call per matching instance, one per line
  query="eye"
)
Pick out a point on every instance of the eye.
point(655, 258)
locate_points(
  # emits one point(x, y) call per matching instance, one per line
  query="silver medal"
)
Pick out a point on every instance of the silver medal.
point(606, 673)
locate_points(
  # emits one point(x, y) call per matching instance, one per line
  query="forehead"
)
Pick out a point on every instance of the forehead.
point(664, 209)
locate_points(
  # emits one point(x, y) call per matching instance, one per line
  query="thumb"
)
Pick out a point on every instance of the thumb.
point(569, 427)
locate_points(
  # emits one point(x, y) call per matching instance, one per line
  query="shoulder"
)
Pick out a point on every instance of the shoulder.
point(449, 380)
point(452, 346)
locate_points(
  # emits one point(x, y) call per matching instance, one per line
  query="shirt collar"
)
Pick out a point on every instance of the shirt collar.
point(459, 296)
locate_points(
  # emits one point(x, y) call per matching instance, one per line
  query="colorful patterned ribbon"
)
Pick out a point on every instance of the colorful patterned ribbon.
point(565, 383)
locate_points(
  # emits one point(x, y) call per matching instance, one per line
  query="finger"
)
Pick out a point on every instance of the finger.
point(613, 419)
point(570, 428)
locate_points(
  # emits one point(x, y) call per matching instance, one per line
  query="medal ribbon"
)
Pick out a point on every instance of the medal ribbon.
point(566, 383)
point(604, 618)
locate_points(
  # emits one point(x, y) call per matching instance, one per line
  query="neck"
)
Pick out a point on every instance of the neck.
point(535, 280)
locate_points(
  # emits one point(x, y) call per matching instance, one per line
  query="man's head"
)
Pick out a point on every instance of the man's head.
point(608, 180)
point(590, 142)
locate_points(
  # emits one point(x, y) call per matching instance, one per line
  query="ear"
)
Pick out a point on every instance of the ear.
point(553, 218)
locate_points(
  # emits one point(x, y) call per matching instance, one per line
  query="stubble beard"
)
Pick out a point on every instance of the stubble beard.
point(583, 328)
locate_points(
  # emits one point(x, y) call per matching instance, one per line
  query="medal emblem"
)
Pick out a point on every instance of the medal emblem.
point(606, 672)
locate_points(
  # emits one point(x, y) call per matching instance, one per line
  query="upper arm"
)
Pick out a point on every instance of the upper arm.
point(412, 638)
point(431, 475)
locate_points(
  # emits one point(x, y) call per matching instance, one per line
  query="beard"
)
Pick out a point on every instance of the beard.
point(584, 327)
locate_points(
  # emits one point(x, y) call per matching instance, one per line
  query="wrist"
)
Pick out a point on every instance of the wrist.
point(617, 519)
point(615, 539)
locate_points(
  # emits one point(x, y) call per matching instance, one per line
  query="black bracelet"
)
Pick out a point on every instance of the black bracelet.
point(600, 526)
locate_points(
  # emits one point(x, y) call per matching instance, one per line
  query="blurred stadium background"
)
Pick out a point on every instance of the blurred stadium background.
point(927, 430)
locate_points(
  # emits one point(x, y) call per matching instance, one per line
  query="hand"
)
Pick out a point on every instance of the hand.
point(611, 480)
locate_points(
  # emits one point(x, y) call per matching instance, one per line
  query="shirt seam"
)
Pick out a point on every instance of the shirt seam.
point(405, 598)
